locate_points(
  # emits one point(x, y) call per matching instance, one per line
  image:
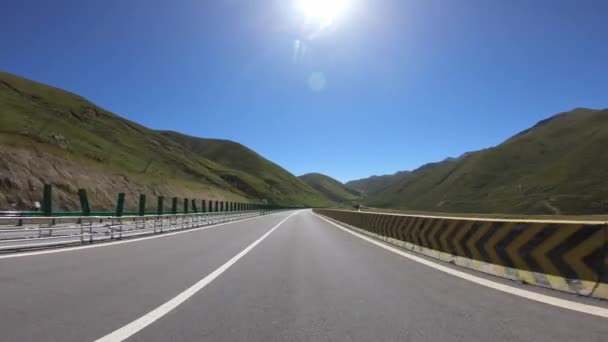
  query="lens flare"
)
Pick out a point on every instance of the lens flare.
point(317, 81)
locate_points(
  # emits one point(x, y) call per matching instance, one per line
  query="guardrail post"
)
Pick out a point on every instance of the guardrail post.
point(84, 202)
point(142, 205)
point(47, 200)
point(194, 208)
point(81, 233)
point(120, 204)
point(90, 232)
point(159, 205)
point(174, 206)
point(217, 206)
point(185, 205)
point(203, 206)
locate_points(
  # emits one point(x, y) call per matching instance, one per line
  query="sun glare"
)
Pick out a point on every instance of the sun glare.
point(323, 10)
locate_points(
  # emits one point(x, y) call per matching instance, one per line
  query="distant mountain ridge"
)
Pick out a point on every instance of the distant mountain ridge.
point(48, 135)
point(374, 184)
point(558, 166)
point(331, 188)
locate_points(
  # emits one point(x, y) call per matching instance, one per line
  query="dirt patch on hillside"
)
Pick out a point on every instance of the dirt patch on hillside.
point(23, 174)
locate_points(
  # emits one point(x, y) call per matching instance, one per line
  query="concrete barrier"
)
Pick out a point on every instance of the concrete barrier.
point(570, 256)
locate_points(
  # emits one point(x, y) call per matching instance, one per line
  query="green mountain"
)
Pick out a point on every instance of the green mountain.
point(250, 172)
point(330, 188)
point(559, 166)
point(374, 184)
point(53, 136)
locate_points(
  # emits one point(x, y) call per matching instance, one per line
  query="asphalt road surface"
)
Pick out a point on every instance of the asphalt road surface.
point(290, 276)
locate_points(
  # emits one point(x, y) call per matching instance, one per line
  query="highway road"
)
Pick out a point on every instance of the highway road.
point(290, 276)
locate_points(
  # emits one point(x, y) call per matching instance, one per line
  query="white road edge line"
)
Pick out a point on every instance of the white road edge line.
point(149, 318)
point(130, 240)
point(562, 303)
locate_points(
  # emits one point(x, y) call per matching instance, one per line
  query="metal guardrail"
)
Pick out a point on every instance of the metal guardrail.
point(16, 213)
point(22, 233)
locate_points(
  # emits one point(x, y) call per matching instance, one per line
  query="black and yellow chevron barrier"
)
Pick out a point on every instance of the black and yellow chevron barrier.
point(565, 255)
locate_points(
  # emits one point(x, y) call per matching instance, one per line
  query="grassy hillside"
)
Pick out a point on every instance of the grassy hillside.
point(330, 188)
point(249, 172)
point(50, 135)
point(559, 166)
point(374, 184)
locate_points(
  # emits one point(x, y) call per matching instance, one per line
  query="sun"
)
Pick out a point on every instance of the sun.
point(322, 10)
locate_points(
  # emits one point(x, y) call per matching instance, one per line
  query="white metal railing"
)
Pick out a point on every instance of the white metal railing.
point(19, 233)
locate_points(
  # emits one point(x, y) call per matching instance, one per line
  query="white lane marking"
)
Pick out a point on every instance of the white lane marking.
point(149, 318)
point(562, 303)
point(114, 243)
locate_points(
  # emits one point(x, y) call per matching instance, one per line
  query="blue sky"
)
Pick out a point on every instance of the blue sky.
point(404, 82)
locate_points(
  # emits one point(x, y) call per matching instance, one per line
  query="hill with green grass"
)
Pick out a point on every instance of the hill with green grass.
point(374, 184)
point(48, 135)
point(331, 188)
point(559, 166)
